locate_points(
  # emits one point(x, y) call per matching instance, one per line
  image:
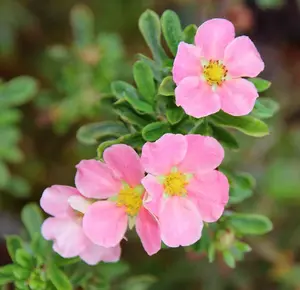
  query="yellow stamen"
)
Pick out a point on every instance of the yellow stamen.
point(131, 198)
point(175, 183)
point(215, 73)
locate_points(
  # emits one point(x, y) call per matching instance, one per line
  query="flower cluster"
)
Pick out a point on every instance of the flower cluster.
point(182, 189)
point(175, 186)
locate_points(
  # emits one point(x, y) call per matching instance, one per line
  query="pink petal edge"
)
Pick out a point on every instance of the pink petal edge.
point(197, 98)
point(105, 223)
point(213, 36)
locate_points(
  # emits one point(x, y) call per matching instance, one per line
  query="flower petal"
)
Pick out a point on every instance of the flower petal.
point(95, 180)
point(210, 192)
point(125, 163)
point(238, 97)
point(148, 230)
point(187, 62)
point(105, 223)
point(54, 200)
point(197, 98)
point(203, 154)
point(160, 156)
point(94, 254)
point(242, 58)
point(111, 255)
point(67, 234)
point(213, 36)
point(154, 194)
point(180, 222)
point(79, 203)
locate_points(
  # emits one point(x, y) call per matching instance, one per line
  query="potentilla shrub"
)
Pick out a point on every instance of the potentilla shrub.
point(159, 167)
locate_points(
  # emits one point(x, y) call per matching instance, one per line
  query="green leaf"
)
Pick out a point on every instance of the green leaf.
point(229, 259)
point(243, 247)
point(4, 175)
point(155, 130)
point(101, 148)
point(250, 224)
point(172, 30)
point(157, 71)
point(167, 87)
point(260, 84)
point(139, 105)
point(195, 127)
point(12, 154)
point(9, 116)
point(168, 65)
point(161, 104)
point(92, 133)
point(60, 261)
point(189, 34)
point(40, 246)
point(113, 271)
point(6, 274)
point(144, 79)
point(149, 26)
point(211, 253)
point(13, 243)
point(101, 283)
point(38, 280)
point(134, 140)
point(81, 275)
point(246, 124)
point(21, 273)
point(202, 127)
point(24, 259)
point(32, 219)
point(241, 187)
point(270, 4)
point(10, 135)
point(82, 22)
point(21, 285)
point(202, 245)
point(265, 108)
point(120, 89)
point(225, 137)
point(58, 278)
point(174, 114)
point(130, 116)
point(17, 91)
point(142, 282)
point(18, 187)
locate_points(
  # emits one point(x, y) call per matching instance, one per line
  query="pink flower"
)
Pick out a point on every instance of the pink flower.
point(183, 187)
point(209, 74)
point(67, 206)
point(117, 183)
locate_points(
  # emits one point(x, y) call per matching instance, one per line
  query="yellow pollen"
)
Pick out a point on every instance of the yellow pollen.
point(175, 183)
point(131, 198)
point(215, 72)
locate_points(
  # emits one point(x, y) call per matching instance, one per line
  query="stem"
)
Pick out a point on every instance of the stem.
point(197, 125)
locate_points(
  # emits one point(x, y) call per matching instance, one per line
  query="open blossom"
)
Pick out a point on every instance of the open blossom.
point(209, 74)
point(184, 188)
point(67, 206)
point(116, 184)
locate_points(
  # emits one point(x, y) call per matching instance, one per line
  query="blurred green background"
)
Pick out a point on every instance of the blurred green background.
point(70, 70)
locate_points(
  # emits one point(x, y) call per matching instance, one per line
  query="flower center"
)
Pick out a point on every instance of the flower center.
point(215, 72)
point(131, 198)
point(175, 183)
